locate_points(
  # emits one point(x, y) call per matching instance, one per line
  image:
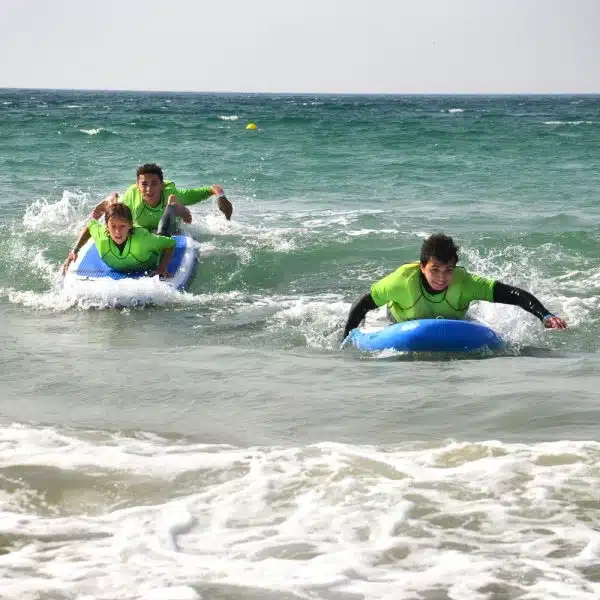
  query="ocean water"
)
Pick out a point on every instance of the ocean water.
point(218, 444)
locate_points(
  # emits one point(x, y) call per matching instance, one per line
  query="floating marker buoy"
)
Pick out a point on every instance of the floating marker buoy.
point(251, 126)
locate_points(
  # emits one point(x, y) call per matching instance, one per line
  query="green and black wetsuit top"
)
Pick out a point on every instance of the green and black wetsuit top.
point(408, 296)
point(148, 216)
point(141, 251)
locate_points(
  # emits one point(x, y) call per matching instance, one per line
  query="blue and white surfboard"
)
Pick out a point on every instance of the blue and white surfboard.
point(89, 267)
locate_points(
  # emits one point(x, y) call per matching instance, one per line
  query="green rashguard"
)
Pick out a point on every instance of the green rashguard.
point(142, 249)
point(407, 299)
point(148, 216)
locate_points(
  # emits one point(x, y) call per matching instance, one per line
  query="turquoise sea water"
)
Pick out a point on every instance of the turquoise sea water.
point(218, 444)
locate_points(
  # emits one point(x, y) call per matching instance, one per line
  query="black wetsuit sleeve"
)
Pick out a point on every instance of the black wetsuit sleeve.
point(507, 294)
point(358, 311)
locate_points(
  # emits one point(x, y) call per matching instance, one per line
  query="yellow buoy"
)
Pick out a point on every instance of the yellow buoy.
point(251, 126)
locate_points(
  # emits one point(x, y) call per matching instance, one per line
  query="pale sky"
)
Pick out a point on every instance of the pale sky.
point(311, 46)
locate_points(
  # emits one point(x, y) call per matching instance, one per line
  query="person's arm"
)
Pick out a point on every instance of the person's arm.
point(100, 208)
point(84, 236)
point(192, 195)
point(164, 262)
point(195, 195)
point(508, 294)
point(358, 312)
point(163, 245)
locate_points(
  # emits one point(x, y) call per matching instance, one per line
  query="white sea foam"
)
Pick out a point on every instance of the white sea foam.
point(318, 319)
point(362, 232)
point(568, 122)
point(320, 217)
point(228, 117)
point(525, 268)
point(326, 520)
point(279, 239)
point(66, 215)
point(93, 131)
point(104, 294)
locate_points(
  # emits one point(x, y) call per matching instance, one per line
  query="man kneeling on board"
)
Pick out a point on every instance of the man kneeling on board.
point(150, 196)
point(436, 287)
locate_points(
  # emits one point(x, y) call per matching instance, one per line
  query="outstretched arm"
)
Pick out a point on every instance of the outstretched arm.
point(358, 312)
point(192, 196)
point(84, 236)
point(507, 294)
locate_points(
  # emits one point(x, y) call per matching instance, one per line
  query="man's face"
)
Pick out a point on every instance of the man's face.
point(438, 274)
point(150, 187)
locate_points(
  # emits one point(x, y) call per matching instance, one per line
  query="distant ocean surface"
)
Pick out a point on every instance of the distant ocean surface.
point(217, 444)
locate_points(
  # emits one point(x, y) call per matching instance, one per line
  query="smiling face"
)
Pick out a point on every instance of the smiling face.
point(438, 274)
point(118, 229)
point(150, 186)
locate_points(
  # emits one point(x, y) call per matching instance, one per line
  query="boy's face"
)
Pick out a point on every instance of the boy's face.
point(150, 187)
point(438, 274)
point(118, 229)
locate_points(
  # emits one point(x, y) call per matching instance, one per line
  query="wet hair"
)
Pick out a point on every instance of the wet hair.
point(441, 247)
point(149, 169)
point(120, 211)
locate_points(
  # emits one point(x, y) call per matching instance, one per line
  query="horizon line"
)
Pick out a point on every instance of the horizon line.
point(247, 93)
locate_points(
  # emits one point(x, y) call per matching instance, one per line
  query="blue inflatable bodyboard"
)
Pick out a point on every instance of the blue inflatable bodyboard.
point(90, 267)
point(427, 335)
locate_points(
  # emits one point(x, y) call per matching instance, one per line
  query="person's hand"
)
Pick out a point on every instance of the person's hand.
point(100, 208)
point(181, 209)
point(71, 258)
point(186, 215)
point(554, 322)
point(162, 271)
point(225, 206)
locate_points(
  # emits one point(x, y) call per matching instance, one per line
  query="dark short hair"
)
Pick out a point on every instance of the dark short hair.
point(441, 247)
point(121, 211)
point(149, 169)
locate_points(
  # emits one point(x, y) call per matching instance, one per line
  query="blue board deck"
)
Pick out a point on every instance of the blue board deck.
point(90, 267)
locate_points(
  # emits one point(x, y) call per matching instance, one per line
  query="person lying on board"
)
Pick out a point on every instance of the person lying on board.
point(150, 195)
point(436, 287)
point(124, 247)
